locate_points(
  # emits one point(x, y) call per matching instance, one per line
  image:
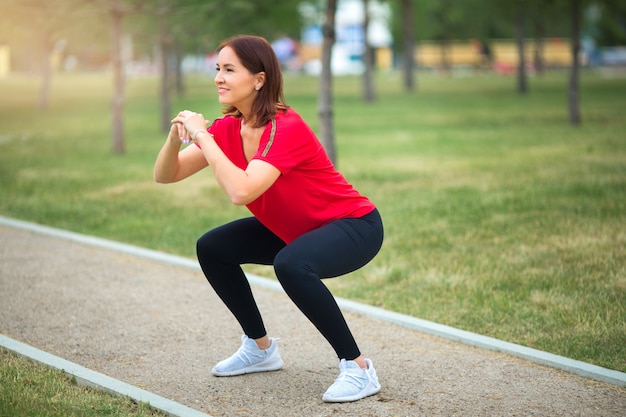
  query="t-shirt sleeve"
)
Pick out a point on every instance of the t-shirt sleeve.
point(216, 129)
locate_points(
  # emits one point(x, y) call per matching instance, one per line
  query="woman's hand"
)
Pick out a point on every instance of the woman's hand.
point(172, 163)
point(188, 124)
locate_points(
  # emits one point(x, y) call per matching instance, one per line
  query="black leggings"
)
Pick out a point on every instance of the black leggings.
point(335, 249)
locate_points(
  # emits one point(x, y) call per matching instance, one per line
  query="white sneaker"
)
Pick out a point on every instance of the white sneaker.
point(353, 383)
point(249, 358)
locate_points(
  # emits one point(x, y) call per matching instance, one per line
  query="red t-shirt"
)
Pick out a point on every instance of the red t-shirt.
point(309, 193)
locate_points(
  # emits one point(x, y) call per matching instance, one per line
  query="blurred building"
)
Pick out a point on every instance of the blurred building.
point(349, 47)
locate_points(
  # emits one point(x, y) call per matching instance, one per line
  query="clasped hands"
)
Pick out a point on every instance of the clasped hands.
point(189, 124)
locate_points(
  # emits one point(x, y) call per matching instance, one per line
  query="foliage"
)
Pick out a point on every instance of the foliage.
point(610, 23)
point(493, 19)
point(83, 26)
point(31, 26)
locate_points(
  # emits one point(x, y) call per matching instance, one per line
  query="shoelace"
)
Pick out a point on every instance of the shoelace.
point(247, 358)
point(352, 377)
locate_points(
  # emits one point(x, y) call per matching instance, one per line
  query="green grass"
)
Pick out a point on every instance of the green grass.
point(501, 218)
point(31, 390)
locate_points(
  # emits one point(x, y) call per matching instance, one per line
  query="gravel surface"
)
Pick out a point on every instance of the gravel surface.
point(161, 328)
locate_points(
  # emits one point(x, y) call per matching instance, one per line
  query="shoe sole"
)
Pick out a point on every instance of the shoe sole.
point(268, 367)
point(365, 393)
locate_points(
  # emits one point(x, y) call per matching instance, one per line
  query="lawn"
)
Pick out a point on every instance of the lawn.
point(501, 218)
point(28, 389)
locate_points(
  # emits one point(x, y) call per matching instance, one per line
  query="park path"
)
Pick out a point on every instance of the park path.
point(160, 327)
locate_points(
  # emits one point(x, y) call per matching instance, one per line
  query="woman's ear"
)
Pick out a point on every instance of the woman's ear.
point(260, 81)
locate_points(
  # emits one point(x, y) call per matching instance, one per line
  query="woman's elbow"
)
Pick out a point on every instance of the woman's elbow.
point(161, 179)
point(241, 198)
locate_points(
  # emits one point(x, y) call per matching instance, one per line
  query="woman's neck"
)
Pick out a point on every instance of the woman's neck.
point(247, 121)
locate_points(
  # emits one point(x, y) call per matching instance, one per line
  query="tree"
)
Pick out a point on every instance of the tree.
point(119, 82)
point(441, 21)
point(368, 57)
point(325, 109)
point(269, 19)
point(609, 22)
point(408, 42)
point(65, 22)
point(539, 34)
point(520, 40)
point(543, 16)
point(515, 13)
point(572, 93)
point(38, 29)
point(118, 10)
point(180, 26)
point(165, 42)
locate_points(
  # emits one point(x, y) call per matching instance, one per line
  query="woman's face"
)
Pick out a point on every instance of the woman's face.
point(236, 85)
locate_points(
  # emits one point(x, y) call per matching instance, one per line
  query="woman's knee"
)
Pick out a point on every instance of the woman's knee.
point(211, 251)
point(282, 265)
point(290, 269)
point(206, 244)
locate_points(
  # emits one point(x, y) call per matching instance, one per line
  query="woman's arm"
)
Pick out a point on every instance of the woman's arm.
point(172, 164)
point(241, 186)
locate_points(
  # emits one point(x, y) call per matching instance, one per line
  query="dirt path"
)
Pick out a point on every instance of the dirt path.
point(161, 328)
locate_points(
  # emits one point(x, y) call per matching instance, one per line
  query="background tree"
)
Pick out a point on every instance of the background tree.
point(408, 44)
point(264, 18)
point(117, 12)
point(573, 101)
point(515, 13)
point(196, 27)
point(369, 94)
point(546, 19)
point(325, 112)
point(432, 20)
point(180, 27)
point(37, 30)
point(609, 22)
point(520, 40)
point(43, 27)
point(539, 22)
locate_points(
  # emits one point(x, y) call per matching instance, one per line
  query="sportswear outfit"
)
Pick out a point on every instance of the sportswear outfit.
point(310, 224)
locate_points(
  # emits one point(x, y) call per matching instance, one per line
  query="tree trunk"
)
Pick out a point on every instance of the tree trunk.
point(445, 59)
point(409, 44)
point(522, 84)
point(180, 81)
point(572, 97)
point(368, 58)
point(325, 112)
point(540, 32)
point(442, 17)
point(117, 104)
point(164, 48)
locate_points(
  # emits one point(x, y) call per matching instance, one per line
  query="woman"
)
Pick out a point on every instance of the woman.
point(309, 222)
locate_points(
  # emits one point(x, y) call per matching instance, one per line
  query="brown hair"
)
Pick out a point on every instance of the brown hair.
point(257, 55)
